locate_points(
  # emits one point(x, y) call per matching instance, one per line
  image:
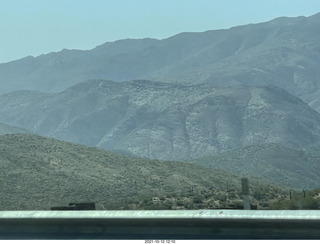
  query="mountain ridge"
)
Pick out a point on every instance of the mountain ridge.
point(164, 121)
point(282, 52)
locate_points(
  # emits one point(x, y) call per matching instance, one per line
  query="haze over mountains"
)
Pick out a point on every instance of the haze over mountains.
point(189, 96)
point(283, 52)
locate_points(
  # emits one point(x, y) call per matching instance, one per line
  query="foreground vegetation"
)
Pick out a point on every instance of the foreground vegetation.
point(231, 199)
point(217, 199)
point(38, 173)
point(299, 200)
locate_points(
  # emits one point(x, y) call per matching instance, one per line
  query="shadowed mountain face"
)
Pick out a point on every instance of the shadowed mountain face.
point(164, 121)
point(283, 52)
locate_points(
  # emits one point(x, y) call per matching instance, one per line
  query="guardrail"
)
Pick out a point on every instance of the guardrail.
point(161, 224)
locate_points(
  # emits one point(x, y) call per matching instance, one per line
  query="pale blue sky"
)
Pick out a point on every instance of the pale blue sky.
point(34, 27)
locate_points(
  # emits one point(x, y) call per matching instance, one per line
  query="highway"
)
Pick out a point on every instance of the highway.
point(161, 224)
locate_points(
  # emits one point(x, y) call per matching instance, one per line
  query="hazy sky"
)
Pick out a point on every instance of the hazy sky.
point(34, 27)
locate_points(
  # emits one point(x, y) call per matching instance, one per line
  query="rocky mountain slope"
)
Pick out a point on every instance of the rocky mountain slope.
point(282, 52)
point(7, 129)
point(296, 168)
point(38, 173)
point(164, 121)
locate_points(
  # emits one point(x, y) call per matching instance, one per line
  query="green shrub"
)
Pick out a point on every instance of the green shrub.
point(297, 202)
point(197, 199)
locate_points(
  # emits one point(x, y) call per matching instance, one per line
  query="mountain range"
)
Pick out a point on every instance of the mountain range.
point(164, 121)
point(282, 52)
point(244, 99)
